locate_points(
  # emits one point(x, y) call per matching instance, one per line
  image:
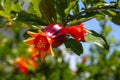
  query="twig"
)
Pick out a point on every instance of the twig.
point(105, 6)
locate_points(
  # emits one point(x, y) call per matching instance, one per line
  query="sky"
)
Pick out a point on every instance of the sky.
point(94, 25)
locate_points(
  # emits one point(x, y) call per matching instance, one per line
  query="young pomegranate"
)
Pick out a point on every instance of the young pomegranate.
point(57, 33)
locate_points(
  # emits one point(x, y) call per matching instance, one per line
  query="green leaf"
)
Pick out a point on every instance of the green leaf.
point(114, 16)
point(17, 7)
point(6, 5)
point(35, 6)
point(82, 18)
point(28, 18)
point(4, 14)
point(118, 3)
point(76, 9)
point(97, 39)
point(78, 21)
point(99, 17)
point(60, 10)
point(48, 11)
point(74, 46)
point(71, 5)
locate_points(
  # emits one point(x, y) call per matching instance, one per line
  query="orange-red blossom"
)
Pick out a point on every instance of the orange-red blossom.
point(41, 42)
point(24, 65)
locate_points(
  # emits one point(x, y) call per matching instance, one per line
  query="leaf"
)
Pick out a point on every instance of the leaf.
point(118, 3)
point(4, 14)
point(74, 46)
point(76, 9)
point(97, 39)
point(6, 5)
point(47, 9)
point(30, 19)
point(35, 6)
point(82, 18)
point(78, 21)
point(17, 7)
point(114, 16)
point(71, 5)
point(99, 17)
point(60, 10)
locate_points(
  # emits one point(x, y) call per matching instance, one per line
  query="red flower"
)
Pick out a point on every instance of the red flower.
point(20, 64)
point(41, 43)
point(24, 65)
point(77, 31)
point(57, 33)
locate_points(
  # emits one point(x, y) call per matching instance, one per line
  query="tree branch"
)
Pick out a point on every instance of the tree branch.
point(102, 7)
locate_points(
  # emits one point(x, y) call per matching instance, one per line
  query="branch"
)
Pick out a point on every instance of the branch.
point(102, 7)
point(80, 21)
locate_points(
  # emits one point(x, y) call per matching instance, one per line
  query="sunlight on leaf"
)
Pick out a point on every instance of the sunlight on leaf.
point(97, 39)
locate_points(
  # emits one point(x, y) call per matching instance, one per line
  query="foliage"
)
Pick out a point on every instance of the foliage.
point(16, 20)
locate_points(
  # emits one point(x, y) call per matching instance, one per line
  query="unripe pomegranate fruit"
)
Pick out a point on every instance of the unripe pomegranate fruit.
point(57, 33)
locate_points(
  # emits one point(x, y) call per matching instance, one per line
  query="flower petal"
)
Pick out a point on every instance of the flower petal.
point(41, 33)
point(42, 55)
point(81, 25)
point(50, 51)
point(29, 41)
point(32, 33)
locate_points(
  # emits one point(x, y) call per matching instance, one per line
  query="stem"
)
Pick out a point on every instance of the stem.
point(103, 7)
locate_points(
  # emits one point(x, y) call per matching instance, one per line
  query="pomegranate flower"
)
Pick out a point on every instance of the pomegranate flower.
point(20, 64)
point(24, 65)
point(41, 43)
point(77, 31)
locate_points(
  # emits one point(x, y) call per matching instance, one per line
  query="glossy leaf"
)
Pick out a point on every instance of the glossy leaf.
point(74, 46)
point(97, 39)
